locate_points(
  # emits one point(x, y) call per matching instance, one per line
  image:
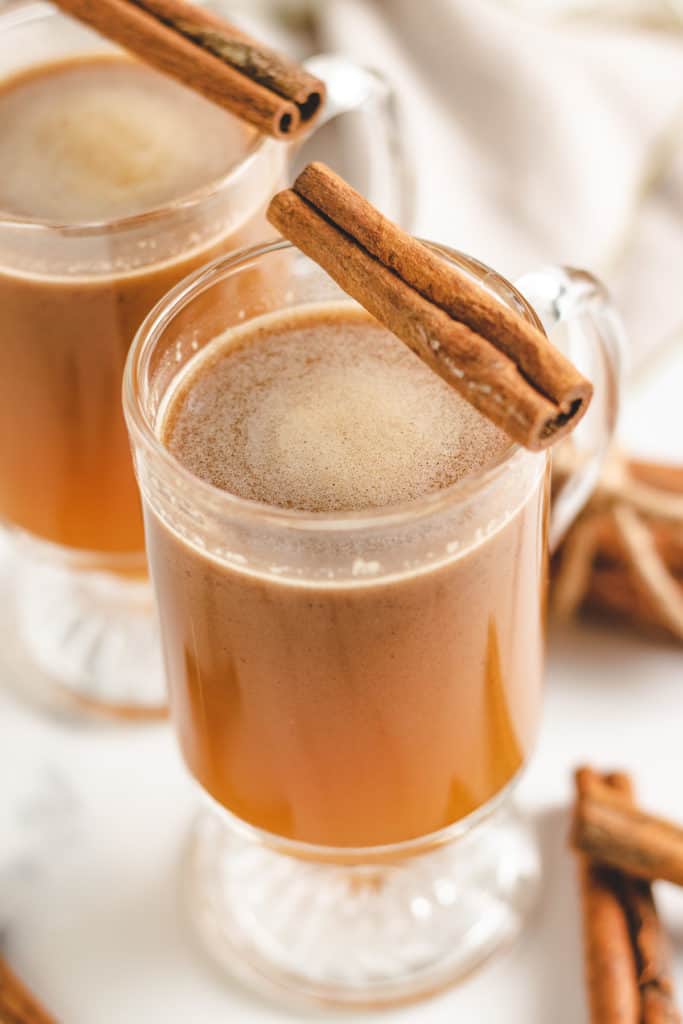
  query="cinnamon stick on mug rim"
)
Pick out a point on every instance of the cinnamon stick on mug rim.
point(627, 981)
point(211, 56)
point(500, 362)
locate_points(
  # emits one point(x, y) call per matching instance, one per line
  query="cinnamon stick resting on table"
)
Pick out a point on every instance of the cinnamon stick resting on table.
point(500, 362)
point(603, 566)
point(611, 971)
point(628, 967)
point(621, 835)
point(208, 54)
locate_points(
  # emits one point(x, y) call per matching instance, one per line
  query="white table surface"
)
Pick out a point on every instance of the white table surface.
point(93, 820)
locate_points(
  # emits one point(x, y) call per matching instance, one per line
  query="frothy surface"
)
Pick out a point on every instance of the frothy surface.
point(323, 412)
point(101, 138)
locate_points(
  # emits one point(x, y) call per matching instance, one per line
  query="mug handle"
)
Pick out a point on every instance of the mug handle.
point(577, 314)
point(352, 88)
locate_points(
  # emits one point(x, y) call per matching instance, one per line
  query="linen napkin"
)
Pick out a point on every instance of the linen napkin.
point(538, 141)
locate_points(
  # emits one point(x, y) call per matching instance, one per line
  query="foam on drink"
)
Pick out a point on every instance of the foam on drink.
point(102, 138)
point(323, 411)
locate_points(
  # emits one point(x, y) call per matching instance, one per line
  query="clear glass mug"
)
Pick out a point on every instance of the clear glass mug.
point(78, 615)
point(356, 694)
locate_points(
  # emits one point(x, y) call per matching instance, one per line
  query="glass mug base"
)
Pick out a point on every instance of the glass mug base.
point(368, 934)
point(82, 635)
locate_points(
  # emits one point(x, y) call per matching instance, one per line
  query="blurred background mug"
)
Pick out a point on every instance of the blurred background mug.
point(356, 693)
point(74, 287)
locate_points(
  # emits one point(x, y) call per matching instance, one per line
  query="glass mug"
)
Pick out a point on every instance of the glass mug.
point(356, 694)
point(79, 618)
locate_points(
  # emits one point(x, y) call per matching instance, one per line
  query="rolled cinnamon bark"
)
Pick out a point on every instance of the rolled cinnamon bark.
point(595, 567)
point(651, 948)
point(613, 594)
point(498, 361)
point(610, 552)
point(653, 957)
point(609, 956)
point(260, 63)
point(208, 54)
point(663, 475)
point(624, 837)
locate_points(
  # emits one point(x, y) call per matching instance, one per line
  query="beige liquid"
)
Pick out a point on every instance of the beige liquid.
point(324, 414)
point(346, 714)
point(92, 140)
point(100, 138)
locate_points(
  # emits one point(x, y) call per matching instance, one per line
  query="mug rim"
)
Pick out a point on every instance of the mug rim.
point(38, 10)
point(143, 433)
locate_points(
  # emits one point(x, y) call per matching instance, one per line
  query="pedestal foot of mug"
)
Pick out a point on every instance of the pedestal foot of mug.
point(81, 637)
point(361, 934)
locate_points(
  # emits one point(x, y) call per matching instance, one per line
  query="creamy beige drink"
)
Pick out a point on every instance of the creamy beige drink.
point(359, 712)
point(85, 143)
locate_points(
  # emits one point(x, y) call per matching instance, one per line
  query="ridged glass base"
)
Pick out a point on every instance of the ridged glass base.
point(81, 635)
point(391, 930)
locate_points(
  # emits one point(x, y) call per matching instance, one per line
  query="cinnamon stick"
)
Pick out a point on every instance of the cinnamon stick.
point(593, 570)
point(501, 363)
point(613, 594)
point(208, 54)
point(610, 963)
point(17, 1005)
point(606, 567)
point(627, 838)
point(653, 958)
point(610, 551)
point(649, 947)
point(663, 475)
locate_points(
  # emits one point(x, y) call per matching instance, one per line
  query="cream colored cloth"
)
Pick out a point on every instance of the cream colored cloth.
point(538, 142)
